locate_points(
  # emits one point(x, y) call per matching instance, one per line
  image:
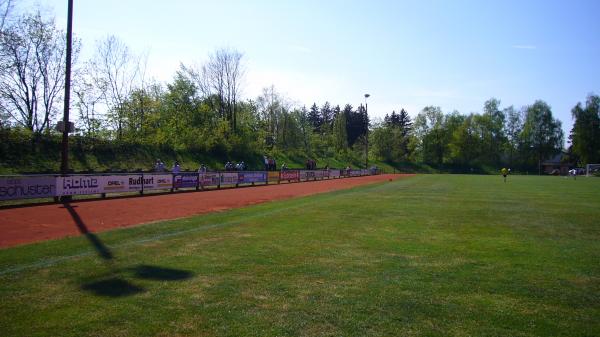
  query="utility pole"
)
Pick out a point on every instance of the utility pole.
point(366, 133)
point(64, 164)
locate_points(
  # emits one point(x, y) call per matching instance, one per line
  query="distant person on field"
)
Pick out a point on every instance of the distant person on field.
point(504, 172)
point(573, 172)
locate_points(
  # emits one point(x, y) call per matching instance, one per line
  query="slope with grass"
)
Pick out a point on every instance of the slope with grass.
point(431, 255)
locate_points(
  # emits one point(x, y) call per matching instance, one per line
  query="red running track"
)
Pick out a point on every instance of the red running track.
point(45, 222)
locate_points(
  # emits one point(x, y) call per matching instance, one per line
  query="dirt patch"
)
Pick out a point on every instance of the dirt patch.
point(38, 223)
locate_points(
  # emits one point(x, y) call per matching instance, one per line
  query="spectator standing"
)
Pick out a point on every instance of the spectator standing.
point(176, 168)
point(159, 166)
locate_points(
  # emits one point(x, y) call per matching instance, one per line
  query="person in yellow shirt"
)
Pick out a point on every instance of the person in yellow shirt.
point(504, 172)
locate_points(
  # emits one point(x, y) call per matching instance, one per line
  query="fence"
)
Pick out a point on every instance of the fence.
point(55, 186)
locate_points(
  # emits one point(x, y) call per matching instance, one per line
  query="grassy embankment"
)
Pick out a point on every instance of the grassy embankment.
point(432, 255)
point(19, 155)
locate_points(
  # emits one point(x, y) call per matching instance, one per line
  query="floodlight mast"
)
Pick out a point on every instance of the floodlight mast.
point(367, 132)
point(64, 164)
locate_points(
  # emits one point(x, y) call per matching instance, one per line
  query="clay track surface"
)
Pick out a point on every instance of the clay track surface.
point(44, 222)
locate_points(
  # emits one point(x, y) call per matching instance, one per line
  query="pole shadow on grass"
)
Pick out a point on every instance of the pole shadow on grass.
point(112, 287)
point(160, 273)
point(101, 249)
point(117, 286)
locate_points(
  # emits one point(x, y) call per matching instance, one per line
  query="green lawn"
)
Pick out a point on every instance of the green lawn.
point(432, 255)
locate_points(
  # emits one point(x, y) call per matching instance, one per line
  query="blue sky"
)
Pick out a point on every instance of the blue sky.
point(406, 54)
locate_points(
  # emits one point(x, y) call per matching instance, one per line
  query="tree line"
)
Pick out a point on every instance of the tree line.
point(202, 108)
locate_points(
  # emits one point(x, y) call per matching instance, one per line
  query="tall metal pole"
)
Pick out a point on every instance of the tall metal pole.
point(64, 164)
point(367, 133)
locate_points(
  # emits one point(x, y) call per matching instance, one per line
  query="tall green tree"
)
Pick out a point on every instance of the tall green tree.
point(327, 118)
point(585, 135)
point(431, 135)
point(314, 117)
point(492, 131)
point(340, 135)
point(512, 128)
point(542, 136)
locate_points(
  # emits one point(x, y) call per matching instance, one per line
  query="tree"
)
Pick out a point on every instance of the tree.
point(466, 142)
point(585, 135)
point(512, 129)
point(542, 135)
point(6, 9)
point(114, 71)
point(492, 131)
point(87, 99)
point(269, 106)
point(429, 130)
point(340, 135)
point(32, 53)
point(221, 78)
point(314, 117)
point(326, 118)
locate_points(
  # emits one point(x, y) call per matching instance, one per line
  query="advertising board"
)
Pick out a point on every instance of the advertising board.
point(183, 180)
point(334, 173)
point(355, 173)
point(151, 182)
point(77, 185)
point(273, 176)
point(307, 175)
point(116, 183)
point(319, 174)
point(27, 187)
point(252, 177)
point(209, 179)
point(290, 175)
point(229, 178)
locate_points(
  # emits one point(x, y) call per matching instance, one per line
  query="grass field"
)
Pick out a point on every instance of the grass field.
point(432, 255)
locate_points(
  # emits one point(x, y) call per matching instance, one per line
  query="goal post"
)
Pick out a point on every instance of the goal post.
point(591, 168)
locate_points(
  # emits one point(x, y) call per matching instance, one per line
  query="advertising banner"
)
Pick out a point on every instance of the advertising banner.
point(355, 173)
point(27, 187)
point(183, 180)
point(307, 175)
point(210, 179)
point(319, 174)
point(290, 175)
point(334, 173)
point(252, 177)
point(364, 172)
point(151, 182)
point(116, 183)
point(76, 185)
point(229, 178)
point(273, 176)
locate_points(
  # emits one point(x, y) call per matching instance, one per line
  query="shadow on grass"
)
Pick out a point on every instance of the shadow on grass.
point(118, 286)
point(160, 273)
point(112, 287)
